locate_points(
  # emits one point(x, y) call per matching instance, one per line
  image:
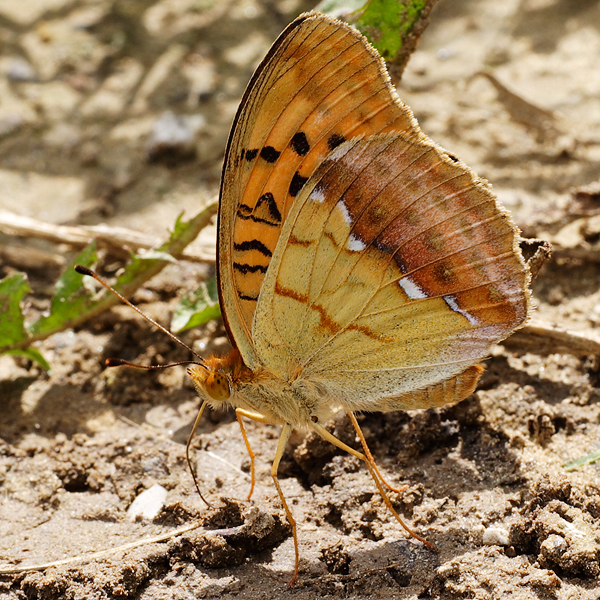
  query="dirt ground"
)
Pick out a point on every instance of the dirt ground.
point(511, 87)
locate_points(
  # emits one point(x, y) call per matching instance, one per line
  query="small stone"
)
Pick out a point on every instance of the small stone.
point(553, 547)
point(18, 69)
point(148, 504)
point(495, 536)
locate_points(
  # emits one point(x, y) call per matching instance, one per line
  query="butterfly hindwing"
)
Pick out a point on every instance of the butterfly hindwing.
point(395, 271)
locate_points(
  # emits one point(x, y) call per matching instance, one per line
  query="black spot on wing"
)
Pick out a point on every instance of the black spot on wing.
point(268, 200)
point(270, 154)
point(246, 268)
point(253, 245)
point(335, 139)
point(265, 211)
point(251, 154)
point(242, 296)
point(296, 184)
point(254, 219)
point(245, 212)
point(300, 144)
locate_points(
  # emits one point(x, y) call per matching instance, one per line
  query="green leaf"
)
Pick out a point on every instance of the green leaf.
point(12, 326)
point(12, 290)
point(31, 354)
point(69, 301)
point(197, 307)
point(71, 304)
point(386, 23)
point(588, 459)
point(76, 299)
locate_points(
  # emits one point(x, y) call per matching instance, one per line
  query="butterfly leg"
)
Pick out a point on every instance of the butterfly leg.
point(369, 456)
point(283, 440)
point(331, 438)
point(239, 413)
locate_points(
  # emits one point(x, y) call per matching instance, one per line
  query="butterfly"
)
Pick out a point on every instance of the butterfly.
point(361, 267)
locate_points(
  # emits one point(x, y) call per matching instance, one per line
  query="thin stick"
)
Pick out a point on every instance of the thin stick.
point(100, 553)
point(80, 236)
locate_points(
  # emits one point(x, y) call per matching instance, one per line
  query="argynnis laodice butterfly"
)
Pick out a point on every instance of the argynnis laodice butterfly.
point(361, 267)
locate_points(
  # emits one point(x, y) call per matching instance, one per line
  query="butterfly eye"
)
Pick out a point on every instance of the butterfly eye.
point(217, 386)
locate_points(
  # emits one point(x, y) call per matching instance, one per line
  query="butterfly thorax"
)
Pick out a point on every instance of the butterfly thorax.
point(297, 401)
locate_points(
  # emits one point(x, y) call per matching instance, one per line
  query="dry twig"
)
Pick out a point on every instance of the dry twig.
point(81, 236)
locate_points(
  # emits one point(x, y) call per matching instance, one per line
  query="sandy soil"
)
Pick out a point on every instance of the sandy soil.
point(511, 87)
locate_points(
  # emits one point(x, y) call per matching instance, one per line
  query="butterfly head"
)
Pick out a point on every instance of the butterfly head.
point(212, 384)
point(216, 379)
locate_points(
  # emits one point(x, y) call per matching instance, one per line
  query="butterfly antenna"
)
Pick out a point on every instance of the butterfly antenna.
point(113, 362)
point(119, 362)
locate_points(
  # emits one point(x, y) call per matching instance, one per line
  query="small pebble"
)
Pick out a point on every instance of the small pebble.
point(495, 536)
point(20, 70)
point(148, 504)
point(554, 546)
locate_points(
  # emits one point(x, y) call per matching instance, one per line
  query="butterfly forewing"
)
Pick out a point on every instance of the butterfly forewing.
point(320, 84)
point(395, 271)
